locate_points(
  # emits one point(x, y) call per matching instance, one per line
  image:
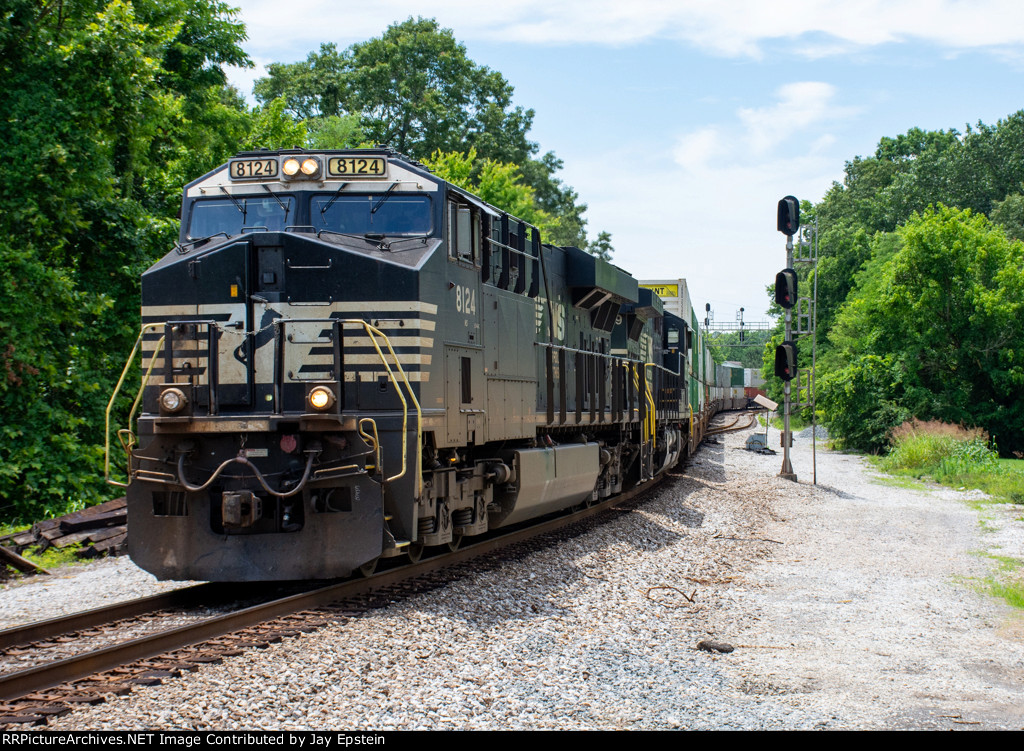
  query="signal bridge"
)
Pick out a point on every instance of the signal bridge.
point(726, 327)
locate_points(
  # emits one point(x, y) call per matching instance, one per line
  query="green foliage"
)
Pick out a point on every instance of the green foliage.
point(415, 88)
point(601, 247)
point(107, 105)
point(497, 183)
point(54, 558)
point(750, 351)
point(979, 170)
point(954, 456)
point(1009, 214)
point(933, 330)
point(334, 132)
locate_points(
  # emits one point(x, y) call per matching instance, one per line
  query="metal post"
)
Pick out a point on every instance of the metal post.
point(814, 362)
point(787, 465)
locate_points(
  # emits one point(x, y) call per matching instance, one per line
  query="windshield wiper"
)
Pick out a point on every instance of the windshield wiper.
point(334, 198)
point(240, 206)
point(343, 234)
point(280, 203)
point(421, 238)
point(383, 198)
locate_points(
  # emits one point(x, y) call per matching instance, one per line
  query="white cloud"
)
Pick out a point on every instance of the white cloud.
point(711, 217)
point(800, 106)
point(694, 151)
point(758, 132)
point(730, 27)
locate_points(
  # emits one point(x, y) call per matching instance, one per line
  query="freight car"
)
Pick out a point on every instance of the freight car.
point(346, 358)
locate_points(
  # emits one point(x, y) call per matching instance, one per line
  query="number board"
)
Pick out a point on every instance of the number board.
point(357, 166)
point(252, 169)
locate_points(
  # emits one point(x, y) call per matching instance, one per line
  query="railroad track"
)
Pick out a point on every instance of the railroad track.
point(53, 688)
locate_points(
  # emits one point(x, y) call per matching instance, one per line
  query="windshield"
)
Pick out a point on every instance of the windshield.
point(232, 216)
point(389, 214)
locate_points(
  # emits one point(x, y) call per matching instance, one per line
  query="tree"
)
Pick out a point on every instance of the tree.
point(728, 346)
point(334, 132)
point(315, 88)
point(414, 88)
point(601, 247)
point(933, 330)
point(1009, 214)
point(104, 101)
point(497, 183)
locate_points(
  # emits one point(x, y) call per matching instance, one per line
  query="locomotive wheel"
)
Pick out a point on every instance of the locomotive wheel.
point(415, 552)
point(456, 543)
point(368, 569)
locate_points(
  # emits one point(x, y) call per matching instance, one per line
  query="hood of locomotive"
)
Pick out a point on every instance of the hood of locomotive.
point(251, 324)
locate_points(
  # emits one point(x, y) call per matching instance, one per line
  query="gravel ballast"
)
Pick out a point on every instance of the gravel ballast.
point(852, 604)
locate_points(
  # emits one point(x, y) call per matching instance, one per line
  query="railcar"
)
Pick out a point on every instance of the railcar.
point(346, 358)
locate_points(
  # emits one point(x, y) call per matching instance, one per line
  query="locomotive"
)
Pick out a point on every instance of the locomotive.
point(346, 358)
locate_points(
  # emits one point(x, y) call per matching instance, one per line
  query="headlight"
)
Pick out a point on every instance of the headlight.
point(290, 166)
point(173, 400)
point(310, 167)
point(321, 398)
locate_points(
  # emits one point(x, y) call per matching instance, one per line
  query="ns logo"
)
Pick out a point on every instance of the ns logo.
point(557, 315)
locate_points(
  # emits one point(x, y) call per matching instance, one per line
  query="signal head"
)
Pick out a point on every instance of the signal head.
point(785, 288)
point(785, 361)
point(789, 216)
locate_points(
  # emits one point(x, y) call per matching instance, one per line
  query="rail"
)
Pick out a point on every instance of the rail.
point(14, 686)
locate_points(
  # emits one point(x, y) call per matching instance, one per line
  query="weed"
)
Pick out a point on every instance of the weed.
point(1008, 583)
point(1013, 593)
point(953, 455)
point(52, 558)
point(900, 481)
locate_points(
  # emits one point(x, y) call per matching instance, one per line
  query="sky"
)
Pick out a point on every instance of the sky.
point(681, 123)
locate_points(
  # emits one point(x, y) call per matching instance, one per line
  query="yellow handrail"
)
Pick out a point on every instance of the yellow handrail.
point(373, 440)
point(652, 413)
point(373, 333)
point(110, 405)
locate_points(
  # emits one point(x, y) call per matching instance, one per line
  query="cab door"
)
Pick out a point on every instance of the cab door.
point(223, 293)
point(465, 401)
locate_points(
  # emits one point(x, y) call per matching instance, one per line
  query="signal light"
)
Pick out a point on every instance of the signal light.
point(785, 361)
point(789, 216)
point(785, 288)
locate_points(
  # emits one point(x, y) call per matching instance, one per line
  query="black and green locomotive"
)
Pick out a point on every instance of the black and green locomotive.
point(346, 358)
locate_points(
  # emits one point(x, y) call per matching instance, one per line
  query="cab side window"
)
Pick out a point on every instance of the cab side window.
point(463, 232)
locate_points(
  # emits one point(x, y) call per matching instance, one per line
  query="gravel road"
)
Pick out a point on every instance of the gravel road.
point(850, 604)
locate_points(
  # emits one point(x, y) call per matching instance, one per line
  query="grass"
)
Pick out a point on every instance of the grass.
point(52, 558)
point(955, 456)
point(961, 458)
point(1009, 583)
point(796, 423)
point(898, 481)
point(7, 529)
